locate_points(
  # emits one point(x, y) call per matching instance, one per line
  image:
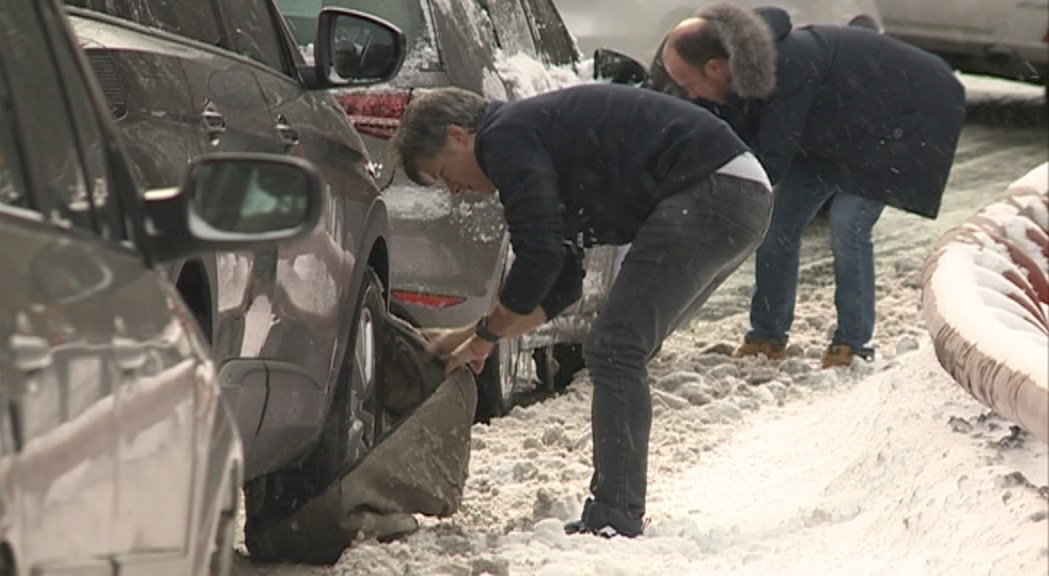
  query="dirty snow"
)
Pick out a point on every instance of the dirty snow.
point(886, 467)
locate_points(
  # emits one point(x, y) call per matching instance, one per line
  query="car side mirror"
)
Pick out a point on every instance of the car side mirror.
point(240, 201)
point(356, 49)
point(618, 68)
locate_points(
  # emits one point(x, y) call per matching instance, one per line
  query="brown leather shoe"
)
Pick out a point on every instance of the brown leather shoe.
point(838, 355)
point(841, 354)
point(771, 350)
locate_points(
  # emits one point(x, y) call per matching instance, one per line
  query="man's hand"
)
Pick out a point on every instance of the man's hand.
point(443, 341)
point(473, 352)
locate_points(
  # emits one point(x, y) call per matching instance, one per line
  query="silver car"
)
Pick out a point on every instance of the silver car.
point(637, 27)
point(1005, 38)
point(117, 453)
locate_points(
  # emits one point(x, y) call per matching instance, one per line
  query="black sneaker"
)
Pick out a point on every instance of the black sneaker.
point(603, 520)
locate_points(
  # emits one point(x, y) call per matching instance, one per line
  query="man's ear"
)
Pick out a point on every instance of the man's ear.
point(458, 134)
point(716, 68)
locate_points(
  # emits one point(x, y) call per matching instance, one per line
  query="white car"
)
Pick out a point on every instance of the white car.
point(637, 27)
point(1004, 38)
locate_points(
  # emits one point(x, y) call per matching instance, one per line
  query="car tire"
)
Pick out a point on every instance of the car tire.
point(355, 423)
point(557, 365)
point(221, 562)
point(8, 567)
point(495, 383)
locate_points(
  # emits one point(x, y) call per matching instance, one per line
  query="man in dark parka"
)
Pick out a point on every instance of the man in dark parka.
point(834, 113)
point(597, 164)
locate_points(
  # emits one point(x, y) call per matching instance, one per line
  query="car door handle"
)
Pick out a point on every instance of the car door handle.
point(213, 121)
point(289, 137)
point(128, 354)
point(32, 353)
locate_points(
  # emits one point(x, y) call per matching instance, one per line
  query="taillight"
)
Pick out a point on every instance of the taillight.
point(427, 300)
point(375, 113)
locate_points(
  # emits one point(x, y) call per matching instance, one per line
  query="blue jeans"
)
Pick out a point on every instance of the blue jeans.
point(798, 198)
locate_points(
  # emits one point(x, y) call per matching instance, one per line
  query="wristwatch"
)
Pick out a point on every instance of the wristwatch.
point(484, 332)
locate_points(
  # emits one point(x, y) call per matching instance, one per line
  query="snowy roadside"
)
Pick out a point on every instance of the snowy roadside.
point(886, 468)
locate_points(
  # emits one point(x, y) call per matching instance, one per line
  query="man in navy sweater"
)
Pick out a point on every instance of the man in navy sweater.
point(597, 164)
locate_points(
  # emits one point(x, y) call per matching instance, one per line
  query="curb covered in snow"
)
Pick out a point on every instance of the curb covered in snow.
point(985, 296)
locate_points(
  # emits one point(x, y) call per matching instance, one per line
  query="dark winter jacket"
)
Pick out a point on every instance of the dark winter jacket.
point(585, 165)
point(880, 116)
point(888, 114)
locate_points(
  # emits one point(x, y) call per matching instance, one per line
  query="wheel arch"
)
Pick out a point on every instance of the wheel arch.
point(374, 248)
point(8, 562)
point(194, 280)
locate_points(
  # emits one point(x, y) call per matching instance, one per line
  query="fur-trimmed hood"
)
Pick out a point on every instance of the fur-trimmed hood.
point(750, 43)
point(777, 19)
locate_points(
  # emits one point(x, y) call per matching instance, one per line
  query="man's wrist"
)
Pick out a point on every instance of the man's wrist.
point(482, 331)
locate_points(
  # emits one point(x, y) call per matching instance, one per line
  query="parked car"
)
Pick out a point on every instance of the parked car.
point(1008, 38)
point(117, 455)
point(293, 329)
point(453, 252)
point(637, 27)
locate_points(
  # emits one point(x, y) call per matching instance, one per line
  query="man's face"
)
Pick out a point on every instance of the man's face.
point(456, 166)
point(710, 82)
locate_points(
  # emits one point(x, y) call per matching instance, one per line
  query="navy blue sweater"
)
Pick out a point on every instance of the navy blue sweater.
point(586, 165)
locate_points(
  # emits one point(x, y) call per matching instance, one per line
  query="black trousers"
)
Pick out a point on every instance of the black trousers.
point(682, 252)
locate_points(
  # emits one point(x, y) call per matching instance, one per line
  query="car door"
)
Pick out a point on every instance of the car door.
point(125, 357)
point(225, 94)
point(312, 282)
point(151, 367)
point(140, 73)
point(59, 400)
point(974, 20)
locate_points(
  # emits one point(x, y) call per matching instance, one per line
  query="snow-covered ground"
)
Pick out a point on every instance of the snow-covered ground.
point(886, 468)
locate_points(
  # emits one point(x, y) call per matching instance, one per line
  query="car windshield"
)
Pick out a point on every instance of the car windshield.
point(405, 14)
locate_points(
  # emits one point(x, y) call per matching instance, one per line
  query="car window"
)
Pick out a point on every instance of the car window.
point(12, 183)
point(62, 193)
point(511, 26)
point(407, 15)
point(195, 19)
point(553, 38)
point(94, 148)
point(254, 31)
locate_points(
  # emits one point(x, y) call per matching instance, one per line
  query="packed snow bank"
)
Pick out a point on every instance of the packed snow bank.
point(986, 302)
point(884, 468)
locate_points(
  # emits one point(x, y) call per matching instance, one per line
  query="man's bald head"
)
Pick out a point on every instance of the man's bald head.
point(723, 36)
point(695, 40)
point(695, 59)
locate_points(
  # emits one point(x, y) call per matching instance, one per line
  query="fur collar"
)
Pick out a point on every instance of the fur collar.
point(750, 45)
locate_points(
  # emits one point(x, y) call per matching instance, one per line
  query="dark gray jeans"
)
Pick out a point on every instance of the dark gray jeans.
point(682, 252)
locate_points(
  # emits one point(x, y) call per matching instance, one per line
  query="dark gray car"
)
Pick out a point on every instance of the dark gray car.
point(293, 329)
point(117, 455)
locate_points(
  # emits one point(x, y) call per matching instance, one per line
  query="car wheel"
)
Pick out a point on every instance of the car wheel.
point(225, 531)
point(355, 423)
point(495, 383)
point(7, 561)
point(364, 419)
point(557, 365)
